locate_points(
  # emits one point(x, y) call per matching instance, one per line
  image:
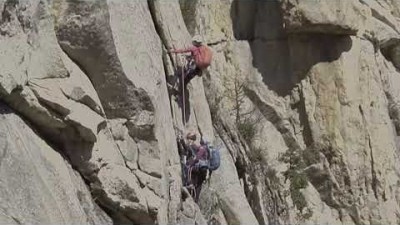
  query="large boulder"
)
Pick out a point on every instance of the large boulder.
point(38, 185)
point(84, 33)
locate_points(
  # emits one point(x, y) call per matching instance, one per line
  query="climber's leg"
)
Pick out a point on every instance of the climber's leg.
point(191, 72)
point(201, 175)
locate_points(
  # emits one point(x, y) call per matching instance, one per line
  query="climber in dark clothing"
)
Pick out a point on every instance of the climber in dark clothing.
point(195, 170)
point(186, 151)
point(199, 165)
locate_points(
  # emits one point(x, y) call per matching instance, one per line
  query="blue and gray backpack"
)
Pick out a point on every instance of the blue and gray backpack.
point(214, 158)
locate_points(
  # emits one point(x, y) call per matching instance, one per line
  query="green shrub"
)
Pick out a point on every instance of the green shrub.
point(298, 198)
point(298, 179)
point(247, 129)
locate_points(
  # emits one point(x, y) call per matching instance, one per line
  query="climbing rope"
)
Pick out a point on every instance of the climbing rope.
point(183, 90)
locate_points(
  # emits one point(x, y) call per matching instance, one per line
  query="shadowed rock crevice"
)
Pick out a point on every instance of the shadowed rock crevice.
point(260, 23)
point(274, 52)
point(303, 118)
point(315, 49)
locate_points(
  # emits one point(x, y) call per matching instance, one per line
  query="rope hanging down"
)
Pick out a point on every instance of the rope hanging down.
point(183, 91)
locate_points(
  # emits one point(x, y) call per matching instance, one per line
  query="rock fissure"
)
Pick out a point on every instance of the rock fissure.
point(272, 115)
point(374, 183)
point(373, 172)
point(4, 146)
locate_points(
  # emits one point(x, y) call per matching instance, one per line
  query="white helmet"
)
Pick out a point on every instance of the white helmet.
point(197, 39)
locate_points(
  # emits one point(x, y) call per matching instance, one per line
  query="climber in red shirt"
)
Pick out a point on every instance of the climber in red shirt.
point(201, 57)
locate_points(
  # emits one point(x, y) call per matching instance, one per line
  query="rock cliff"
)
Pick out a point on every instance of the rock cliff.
point(302, 98)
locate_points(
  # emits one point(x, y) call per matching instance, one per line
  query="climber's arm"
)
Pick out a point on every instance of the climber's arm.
point(187, 148)
point(184, 50)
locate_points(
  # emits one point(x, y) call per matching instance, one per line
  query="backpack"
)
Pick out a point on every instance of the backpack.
point(203, 59)
point(214, 158)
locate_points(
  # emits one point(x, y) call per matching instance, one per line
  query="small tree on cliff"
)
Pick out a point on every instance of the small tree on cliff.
point(245, 118)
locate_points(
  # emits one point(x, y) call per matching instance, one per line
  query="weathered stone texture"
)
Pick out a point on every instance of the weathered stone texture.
point(308, 88)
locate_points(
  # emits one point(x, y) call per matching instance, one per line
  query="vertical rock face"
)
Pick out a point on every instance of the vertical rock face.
point(38, 185)
point(321, 135)
point(302, 98)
